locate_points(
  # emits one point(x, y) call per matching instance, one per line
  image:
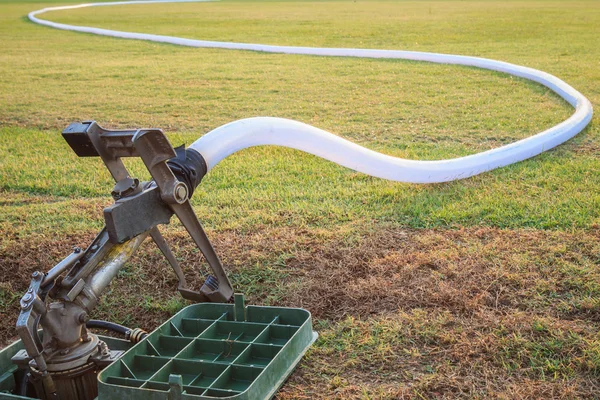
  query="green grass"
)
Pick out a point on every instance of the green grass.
point(407, 109)
point(274, 187)
point(493, 292)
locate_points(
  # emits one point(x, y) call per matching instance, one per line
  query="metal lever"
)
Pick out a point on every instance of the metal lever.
point(186, 293)
point(32, 309)
point(155, 150)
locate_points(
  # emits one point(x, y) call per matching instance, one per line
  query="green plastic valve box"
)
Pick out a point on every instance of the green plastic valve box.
point(205, 351)
point(211, 350)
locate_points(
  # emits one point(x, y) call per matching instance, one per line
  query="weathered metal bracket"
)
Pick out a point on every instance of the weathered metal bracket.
point(32, 309)
point(132, 216)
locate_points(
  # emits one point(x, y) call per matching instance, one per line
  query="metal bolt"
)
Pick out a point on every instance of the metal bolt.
point(94, 247)
point(180, 193)
point(36, 275)
point(76, 249)
point(84, 318)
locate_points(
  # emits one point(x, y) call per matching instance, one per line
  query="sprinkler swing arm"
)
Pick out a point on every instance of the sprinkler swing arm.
point(138, 209)
point(141, 207)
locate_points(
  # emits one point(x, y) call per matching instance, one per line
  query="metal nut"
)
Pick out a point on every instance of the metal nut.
point(181, 193)
point(84, 318)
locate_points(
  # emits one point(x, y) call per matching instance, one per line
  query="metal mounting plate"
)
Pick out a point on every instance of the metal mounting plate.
point(132, 216)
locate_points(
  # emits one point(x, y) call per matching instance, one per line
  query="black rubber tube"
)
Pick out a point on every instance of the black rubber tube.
point(109, 326)
point(23, 386)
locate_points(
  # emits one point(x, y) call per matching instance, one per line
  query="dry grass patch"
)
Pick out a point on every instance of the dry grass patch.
point(477, 312)
point(554, 273)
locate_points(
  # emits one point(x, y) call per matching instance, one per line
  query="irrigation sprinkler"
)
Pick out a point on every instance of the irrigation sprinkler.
point(218, 347)
point(215, 348)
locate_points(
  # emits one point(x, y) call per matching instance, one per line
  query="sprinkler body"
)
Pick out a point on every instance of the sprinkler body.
point(65, 361)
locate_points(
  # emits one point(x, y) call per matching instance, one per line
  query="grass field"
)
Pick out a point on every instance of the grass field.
point(482, 288)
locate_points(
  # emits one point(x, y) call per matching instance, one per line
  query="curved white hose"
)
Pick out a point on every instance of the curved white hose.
point(227, 139)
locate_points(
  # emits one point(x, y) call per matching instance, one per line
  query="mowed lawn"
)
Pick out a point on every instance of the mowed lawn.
point(483, 288)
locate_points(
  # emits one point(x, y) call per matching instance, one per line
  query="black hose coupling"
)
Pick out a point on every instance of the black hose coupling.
point(188, 167)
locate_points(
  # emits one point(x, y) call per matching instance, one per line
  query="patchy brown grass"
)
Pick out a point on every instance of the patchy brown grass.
point(464, 271)
point(145, 293)
point(476, 312)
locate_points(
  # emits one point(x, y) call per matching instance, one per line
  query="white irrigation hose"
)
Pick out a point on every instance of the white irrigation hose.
point(238, 135)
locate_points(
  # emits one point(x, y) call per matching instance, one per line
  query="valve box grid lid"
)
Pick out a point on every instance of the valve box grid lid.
point(209, 351)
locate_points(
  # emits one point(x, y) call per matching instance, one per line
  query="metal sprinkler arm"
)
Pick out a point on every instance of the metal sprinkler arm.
point(155, 150)
point(141, 207)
